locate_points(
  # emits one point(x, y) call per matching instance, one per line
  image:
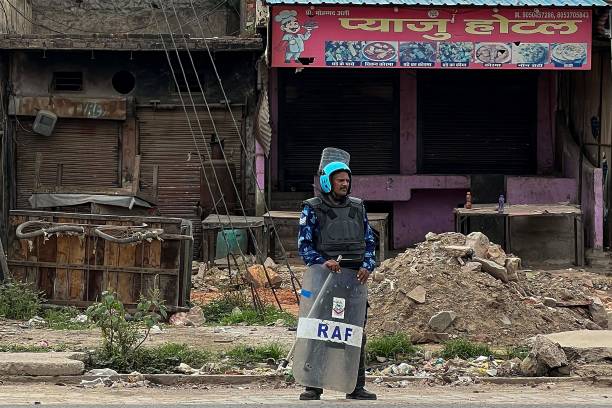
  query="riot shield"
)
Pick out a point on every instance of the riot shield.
point(330, 329)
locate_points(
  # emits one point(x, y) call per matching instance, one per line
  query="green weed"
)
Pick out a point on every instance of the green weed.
point(245, 355)
point(465, 349)
point(510, 353)
point(24, 348)
point(63, 319)
point(19, 301)
point(250, 316)
point(390, 346)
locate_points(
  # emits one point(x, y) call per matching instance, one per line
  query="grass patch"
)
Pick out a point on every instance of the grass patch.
point(216, 310)
point(18, 301)
point(24, 348)
point(510, 353)
point(390, 346)
point(165, 358)
point(250, 316)
point(64, 319)
point(153, 360)
point(232, 311)
point(465, 349)
point(245, 355)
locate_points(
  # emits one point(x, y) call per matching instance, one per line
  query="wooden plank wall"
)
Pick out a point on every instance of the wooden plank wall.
point(84, 276)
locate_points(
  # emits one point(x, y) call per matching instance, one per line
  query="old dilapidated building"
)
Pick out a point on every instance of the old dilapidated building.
point(110, 72)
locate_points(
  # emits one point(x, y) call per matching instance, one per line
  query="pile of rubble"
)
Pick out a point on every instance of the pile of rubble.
point(211, 277)
point(457, 286)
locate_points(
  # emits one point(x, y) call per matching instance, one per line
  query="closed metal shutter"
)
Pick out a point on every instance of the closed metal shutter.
point(166, 140)
point(88, 149)
point(355, 110)
point(477, 122)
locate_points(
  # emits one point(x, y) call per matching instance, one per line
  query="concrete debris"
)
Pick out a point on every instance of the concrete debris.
point(498, 311)
point(194, 318)
point(186, 369)
point(513, 265)
point(458, 251)
point(442, 320)
point(42, 364)
point(471, 267)
point(269, 263)
point(546, 358)
point(156, 330)
point(598, 312)
point(550, 302)
point(378, 276)
point(589, 346)
point(506, 321)
point(496, 254)
point(430, 236)
point(479, 242)
point(493, 268)
point(417, 294)
point(96, 383)
point(36, 322)
point(102, 372)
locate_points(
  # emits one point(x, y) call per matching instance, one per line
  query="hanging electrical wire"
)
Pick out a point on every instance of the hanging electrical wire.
point(256, 300)
point(294, 280)
point(255, 243)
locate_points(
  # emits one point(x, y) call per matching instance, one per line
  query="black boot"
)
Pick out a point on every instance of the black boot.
point(311, 393)
point(361, 394)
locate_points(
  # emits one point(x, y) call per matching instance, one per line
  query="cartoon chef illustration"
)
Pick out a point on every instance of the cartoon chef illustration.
point(294, 40)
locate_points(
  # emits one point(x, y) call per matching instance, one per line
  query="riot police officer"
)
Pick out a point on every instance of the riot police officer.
point(335, 224)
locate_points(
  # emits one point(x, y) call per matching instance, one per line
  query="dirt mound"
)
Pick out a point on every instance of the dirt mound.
point(482, 307)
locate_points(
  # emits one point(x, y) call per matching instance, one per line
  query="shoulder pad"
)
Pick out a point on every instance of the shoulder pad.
point(356, 201)
point(314, 202)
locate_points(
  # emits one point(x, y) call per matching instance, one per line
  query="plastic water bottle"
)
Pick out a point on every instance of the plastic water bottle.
point(501, 202)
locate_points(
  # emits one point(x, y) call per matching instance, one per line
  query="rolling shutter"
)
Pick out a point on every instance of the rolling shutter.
point(88, 149)
point(477, 122)
point(354, 111)
point(166, 140)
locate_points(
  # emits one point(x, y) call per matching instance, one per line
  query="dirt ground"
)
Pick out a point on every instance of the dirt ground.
point(279, 394)
point(212, 338)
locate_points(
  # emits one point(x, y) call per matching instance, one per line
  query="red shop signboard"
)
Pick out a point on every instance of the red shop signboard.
point(463, 38)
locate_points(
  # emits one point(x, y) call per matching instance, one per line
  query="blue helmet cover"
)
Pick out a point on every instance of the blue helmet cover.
point(328, 171)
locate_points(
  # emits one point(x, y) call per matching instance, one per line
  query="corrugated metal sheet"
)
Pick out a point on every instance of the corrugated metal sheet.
point(354, 111)
point(166, 140)
point(504, 3)
point(88, 149)
point(462, 130)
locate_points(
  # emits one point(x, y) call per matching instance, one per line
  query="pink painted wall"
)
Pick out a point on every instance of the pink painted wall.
point(427, 211)
point(547, 101)
point(400, 187)
point(408, 122)
point(540, 190)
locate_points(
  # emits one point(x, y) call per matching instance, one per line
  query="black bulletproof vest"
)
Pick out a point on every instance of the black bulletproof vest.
point(341, 229)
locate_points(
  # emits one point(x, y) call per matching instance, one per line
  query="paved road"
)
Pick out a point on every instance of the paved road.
point(277, 396)
point(344, 404)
